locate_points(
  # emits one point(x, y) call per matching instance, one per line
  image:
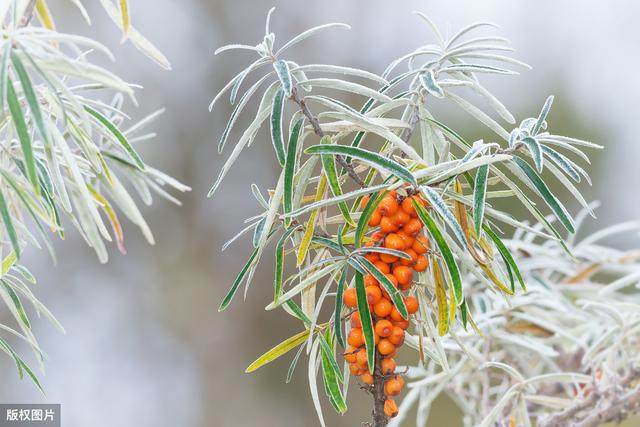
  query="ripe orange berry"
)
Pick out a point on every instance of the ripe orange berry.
point(392, 387)
point(392, 279)
point(356, 338)
point(397, 336)
point(393, 241)
point(409, 262)
point(406, 238)
point(372, 256)
point(395, 315)
point(400, 218)
point(378, 236)
point(400, 380)
point(383, 308)
point(383, 328)
point(366, 378)
point(369, 280)
point(361, 358)
point(350, 354)
point(364, 201)
point(388, 258)
point(388, 366)
point(374, 219)
point(407, 206)
point(373, 294)
point(421, 244)
point(390, 408)
point(403, 273)
point(385, 347)
point(383, 267)
point(387, 225)
point(422, 263)
point(354, 369)
point(388, 206)
point(402, 324)
point(412, 304)
point(350, 298)
point(412, 227)
point(355, 320)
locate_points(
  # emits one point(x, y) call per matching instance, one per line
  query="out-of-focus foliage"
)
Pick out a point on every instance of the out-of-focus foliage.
point(393, 140)
point(68, 154)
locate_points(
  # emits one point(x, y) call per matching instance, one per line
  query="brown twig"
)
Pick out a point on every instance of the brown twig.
point(28, 14)
point(315, 124)
point(379, 417)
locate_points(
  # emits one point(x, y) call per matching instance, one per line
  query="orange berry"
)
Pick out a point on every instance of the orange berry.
point(412, 304)
point(372, 256)
point(364, 201)
point(390, 408)
point(350, 298)
point(403, 273)
point(374, 219)
point(361, 358)
point(383, 308)
point(350, 354)
point(377, 236)
point(400, 218)
point(383, 328)
point(422, 263)
point(388, 206)
point(383, 267)
point(369, 280)
point(354, 369)
point(402, 324)
point(388, 366)
point(412, 260)
point(397, 336)
point(356, 338)
point(366, 378)
point(355, 320)
point(385, 347)
point(406, 238)
point(393, 241)
point(392, 387)
point(421, 244)
point(395, 315)
point(373, 294)
point(392, 279)
point(407, 206)
point(387, 225)
point(388, 258)
point(394, 194)
point(412, 227)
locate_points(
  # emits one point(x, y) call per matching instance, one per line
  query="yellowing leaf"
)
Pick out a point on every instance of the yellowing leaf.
point(277, 351)
point(44, 15)
point(441, 298)
point(126, 20)
point(311, 225)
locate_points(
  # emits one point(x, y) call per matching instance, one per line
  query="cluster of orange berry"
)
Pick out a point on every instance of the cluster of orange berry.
point(399, 229)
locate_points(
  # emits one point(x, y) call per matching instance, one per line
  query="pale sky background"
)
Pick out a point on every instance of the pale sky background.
point(145, 345)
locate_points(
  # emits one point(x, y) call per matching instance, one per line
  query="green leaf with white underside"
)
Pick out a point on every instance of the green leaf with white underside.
point(329, 167)
point(282, 70)
point(429, 83)
point(479, 197)
point(23, 135)
point(276, 126)
point(365, 320)
point(393, 292)
point(236, 283)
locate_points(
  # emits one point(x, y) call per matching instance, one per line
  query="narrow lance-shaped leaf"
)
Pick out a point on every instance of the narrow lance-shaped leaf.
point(506, 255)
point(367, 156)
point(276, 126)
point(8, 225)
point(365, 320)
point(536, 151)
point(429, 82)
point(363, 222)
point(337, 314)
point(311, 224)
point(23, 135)
point(543, 116)
point(441, 298)
point(329, 166)
point(236, 283)
point(330, 377)
point(546, 194)
point(479, 197)
point(290, 168)
point(277, 351)
point(30, 95)
point(393, 292)
point(122, 140)
point(447, 255)
point(277, 283)
point(443, 210)
point(282, 70)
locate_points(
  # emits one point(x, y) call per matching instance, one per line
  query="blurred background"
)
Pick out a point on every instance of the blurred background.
point(145, 345)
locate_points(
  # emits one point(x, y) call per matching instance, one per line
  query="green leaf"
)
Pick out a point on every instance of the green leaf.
point(4, 73)
point(337, 314)
point(330, 377)
point(290, 167)
point(367, 156)
point(282, 69)
point(29, 94)
point(276, 126)
point(17, 304)
point(8, 225)
point(23, 135)
point(430, 84)
point(293, 365)
point(447, 255)
point(564, 163)
point(236, 283)
point(479, 197)
point(363, 222)
point(536, 151)
point(277, 351)
point(329, 167)
point(443, 210)
point(543, 116)
point(546, 194)
point(506, 255)
point(365, 319)
point(393, 292)
point(118, 135)
point(277, 283)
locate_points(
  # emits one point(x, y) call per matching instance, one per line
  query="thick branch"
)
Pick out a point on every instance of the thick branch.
point(379, 417)
point(295, 97)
